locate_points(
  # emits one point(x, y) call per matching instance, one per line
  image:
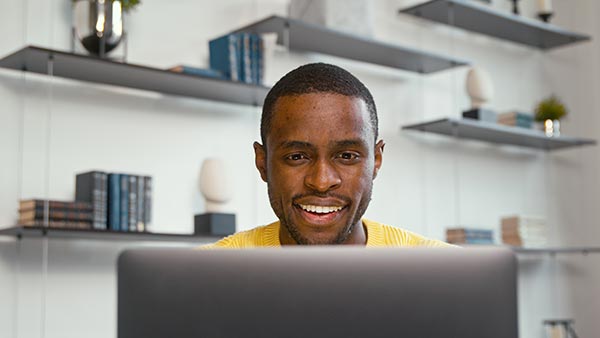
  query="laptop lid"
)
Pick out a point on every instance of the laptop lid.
point(317, 292)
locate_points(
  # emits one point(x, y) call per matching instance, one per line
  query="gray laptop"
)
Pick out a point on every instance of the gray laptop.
point(317, 292)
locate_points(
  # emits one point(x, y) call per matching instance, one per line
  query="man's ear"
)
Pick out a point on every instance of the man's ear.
point(260, 160)
point(378, 157)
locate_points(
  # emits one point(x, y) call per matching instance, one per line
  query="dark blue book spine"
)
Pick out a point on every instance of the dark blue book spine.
point(92, 187)
point(132, 203)
point(124, 197)
point(223, 55)
point(148, 203)
point(114, 202)
point(140, 204)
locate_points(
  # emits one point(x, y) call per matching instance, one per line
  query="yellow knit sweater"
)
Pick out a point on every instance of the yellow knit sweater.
point(378, 235)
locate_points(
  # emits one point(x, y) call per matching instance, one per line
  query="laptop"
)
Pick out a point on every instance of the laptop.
point(317, 292)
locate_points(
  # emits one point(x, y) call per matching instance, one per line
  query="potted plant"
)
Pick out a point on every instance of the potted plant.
point(98, 24)
point(549, 111)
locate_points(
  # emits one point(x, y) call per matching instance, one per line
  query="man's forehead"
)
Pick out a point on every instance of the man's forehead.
point(319, 118)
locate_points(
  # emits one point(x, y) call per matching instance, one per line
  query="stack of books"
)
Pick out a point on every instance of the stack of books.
point(524, 231)
point(238, 56)
point(469, 236)
point(55, 214)
point(120, 202)
point(516, 119)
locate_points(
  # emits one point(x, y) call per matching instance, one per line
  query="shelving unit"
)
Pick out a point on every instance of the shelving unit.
point(496, 133)
point(302, 36)
point(33, 232)
point(93, 69)
point(483, 19)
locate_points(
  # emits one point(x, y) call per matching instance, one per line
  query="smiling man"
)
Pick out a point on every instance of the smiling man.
point(319, 156)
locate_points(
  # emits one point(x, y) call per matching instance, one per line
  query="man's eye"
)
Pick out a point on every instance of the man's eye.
point(296, 157)
point(347, 156)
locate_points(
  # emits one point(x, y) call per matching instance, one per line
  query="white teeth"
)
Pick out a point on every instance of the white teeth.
point(321, 209)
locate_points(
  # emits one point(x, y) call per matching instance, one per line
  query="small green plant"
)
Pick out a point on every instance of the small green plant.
point(126, 5)
point(550, 109)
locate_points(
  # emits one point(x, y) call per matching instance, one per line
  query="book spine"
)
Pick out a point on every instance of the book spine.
point(53, 214)
point(59, 205)
point(148, 203)
point(114, 202)
point(132, 203)
point(140, 204)
point(92, 187)
point(246, 58)
point(124, 209)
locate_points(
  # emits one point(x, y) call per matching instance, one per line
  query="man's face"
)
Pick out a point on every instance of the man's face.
point(319, 162)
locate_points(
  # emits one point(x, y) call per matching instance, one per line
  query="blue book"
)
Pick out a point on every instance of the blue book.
point(124, 197)
point(224, 56)
point(114, 202)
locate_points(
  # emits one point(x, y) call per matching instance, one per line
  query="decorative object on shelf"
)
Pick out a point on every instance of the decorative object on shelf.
point(481, 90)
point(524, 231)
point(515, 6)
point(350, 16)
point(215, 186)
point(549, 111)
point(98, 25)
point(560, 328)
point(469, 236)
point(545, 11)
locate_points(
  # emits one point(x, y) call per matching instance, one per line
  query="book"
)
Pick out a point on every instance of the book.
point(92, 187)
point(247, 58)
point(124, 201)
point(29, 204)
point(183, 69)
point(114, 202)
point(147, 203)
point(55, 214)
point(57, 224)
point(140, 225)
point(224, 56)
point(132, 222)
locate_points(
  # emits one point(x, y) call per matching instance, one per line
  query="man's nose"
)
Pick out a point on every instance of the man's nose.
point(323, 176)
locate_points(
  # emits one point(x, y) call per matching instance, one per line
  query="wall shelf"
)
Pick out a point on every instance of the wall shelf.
point(93, 69)
point(483, 19)
point(554, 251)
point(496, 133)
point(302, 36)
point(33, 232)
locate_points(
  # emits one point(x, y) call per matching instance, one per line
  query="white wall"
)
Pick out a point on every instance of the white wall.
point(51, 129)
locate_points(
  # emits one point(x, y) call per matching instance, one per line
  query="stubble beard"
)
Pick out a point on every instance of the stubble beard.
point(342, 235)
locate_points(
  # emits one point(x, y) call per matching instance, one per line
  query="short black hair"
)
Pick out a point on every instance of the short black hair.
point(316, 78)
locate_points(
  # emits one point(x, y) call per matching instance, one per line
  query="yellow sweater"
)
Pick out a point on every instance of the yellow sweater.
point(378, 235)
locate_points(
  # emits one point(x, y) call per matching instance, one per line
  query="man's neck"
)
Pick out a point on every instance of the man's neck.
point(358, 236)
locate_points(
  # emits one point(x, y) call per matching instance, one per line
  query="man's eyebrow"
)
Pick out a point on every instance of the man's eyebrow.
point(348, 143)
point(296, 145)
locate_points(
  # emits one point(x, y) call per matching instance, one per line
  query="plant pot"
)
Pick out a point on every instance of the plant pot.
point(98, 25)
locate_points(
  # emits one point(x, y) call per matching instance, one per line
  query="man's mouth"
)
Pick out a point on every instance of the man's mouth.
point(320, 215)
point(320, 209)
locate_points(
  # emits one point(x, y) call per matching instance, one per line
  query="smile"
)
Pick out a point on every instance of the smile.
point(320, 209)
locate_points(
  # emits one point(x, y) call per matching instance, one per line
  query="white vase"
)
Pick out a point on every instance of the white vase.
point(215, 185)
point(479, 87)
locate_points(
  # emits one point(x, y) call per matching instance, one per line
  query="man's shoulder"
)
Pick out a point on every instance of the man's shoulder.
point(266, 235)
point(380, 234)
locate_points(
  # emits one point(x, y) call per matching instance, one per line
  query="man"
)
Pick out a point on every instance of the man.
point(319, 157)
